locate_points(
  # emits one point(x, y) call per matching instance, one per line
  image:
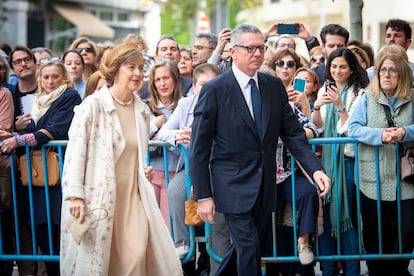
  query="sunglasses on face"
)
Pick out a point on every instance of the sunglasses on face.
point(289, 64)
point(318, 58)
point(86, 49)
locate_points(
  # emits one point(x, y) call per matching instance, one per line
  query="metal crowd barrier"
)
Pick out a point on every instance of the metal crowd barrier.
point(53, 256)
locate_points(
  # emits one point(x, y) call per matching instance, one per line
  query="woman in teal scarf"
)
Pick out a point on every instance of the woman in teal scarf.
point(332, 109)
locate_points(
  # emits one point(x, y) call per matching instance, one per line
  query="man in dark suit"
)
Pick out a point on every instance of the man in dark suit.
point(232, 154)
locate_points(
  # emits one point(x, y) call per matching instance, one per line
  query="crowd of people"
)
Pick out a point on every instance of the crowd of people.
point(229, 98)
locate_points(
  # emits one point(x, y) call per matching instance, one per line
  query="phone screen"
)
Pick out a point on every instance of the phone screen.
point(287, 28)
point(299, 84)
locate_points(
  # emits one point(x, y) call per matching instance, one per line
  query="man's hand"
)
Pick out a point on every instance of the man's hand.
point(323, 182)
point(22, 121)
point(207, 210)
point(223, 38)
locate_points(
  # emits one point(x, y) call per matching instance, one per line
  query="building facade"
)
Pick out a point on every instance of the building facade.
point(55, 24)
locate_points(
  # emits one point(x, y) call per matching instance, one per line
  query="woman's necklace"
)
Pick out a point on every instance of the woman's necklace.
point(121, 102)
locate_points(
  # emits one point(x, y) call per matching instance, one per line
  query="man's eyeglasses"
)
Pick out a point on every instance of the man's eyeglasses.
point(86, 49)
point(252, 49)
point(289, 64)
point(318, 58)
point(52, 60)
point(201, 47)
point(19, 61)
point(392, 71)
point(286, 45)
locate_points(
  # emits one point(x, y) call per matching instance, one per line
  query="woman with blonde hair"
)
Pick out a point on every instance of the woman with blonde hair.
point(383, 116)
point(87, 48)
point(52, 114)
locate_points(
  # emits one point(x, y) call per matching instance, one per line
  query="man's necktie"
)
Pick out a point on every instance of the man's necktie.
point(257, 106)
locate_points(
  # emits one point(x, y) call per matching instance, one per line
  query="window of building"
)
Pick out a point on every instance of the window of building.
point(106, 16)
point(123, 17)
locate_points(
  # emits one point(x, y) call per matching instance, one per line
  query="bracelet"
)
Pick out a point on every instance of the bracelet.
point(342, 110)
point(314, 108)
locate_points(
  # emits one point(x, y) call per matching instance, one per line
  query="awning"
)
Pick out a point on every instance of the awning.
point(87, 23)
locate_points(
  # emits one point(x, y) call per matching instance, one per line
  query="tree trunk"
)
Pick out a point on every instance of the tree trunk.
point(355, 18)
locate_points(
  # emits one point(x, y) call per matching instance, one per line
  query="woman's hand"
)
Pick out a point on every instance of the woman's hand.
point(149, 172)
point(322, 100)
point(393, 135)
point(5, 134)
point(8, 145)
point(299, 99)
point(77, 208)
point(334, 95)
point(183, 136)
point(159, 120)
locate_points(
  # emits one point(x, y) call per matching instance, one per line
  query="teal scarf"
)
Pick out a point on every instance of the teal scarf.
point(330, 156)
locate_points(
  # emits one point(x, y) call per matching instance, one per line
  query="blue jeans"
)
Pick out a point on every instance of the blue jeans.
point(348, 239)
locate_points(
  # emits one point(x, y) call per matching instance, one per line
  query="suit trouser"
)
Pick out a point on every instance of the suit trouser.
point(249, 233)
point(220, 234)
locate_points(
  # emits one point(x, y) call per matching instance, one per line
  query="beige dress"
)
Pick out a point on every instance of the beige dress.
point(130, 230)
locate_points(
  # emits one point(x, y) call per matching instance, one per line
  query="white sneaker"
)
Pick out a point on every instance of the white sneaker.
point(182, 250)
point(305, 254)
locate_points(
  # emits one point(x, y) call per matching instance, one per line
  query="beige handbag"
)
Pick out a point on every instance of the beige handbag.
point(78, 229)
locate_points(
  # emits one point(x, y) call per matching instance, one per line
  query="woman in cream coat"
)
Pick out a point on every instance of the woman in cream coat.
point(104, 168)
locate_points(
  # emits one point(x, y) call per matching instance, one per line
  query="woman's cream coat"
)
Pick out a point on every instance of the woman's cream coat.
point(95, 145)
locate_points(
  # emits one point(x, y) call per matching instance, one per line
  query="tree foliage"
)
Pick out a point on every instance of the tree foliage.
point(179, 16)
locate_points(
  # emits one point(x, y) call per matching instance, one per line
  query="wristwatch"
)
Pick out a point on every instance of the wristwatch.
point(343, 109)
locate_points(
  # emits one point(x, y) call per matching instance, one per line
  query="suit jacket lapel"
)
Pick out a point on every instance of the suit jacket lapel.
point(266, 101)
point(236, 96)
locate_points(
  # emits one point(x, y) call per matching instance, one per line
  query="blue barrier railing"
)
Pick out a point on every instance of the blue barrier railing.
point(60, 145)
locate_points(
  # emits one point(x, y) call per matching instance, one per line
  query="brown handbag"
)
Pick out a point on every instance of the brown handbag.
point(191, 215)
point(407, 166)
point(36, 161)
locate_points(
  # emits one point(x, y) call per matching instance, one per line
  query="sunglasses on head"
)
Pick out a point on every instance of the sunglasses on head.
point(86, 49)
point(52, 60)
point(318, 58)
point(289, 64)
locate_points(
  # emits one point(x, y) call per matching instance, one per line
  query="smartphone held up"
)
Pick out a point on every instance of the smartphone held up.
point(287, 28)
point(299, 84)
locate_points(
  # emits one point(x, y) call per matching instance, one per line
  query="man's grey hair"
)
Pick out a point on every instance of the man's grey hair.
point(242, 29)
point(212, 39)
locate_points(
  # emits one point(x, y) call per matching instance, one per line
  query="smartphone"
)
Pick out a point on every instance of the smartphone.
point(299, 84)
point(330, 84)
point(288, 28)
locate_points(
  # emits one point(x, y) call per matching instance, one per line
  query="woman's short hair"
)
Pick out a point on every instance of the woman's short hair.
point(120, 54)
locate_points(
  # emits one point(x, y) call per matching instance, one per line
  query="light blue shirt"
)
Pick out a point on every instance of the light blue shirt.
point(81, 87)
